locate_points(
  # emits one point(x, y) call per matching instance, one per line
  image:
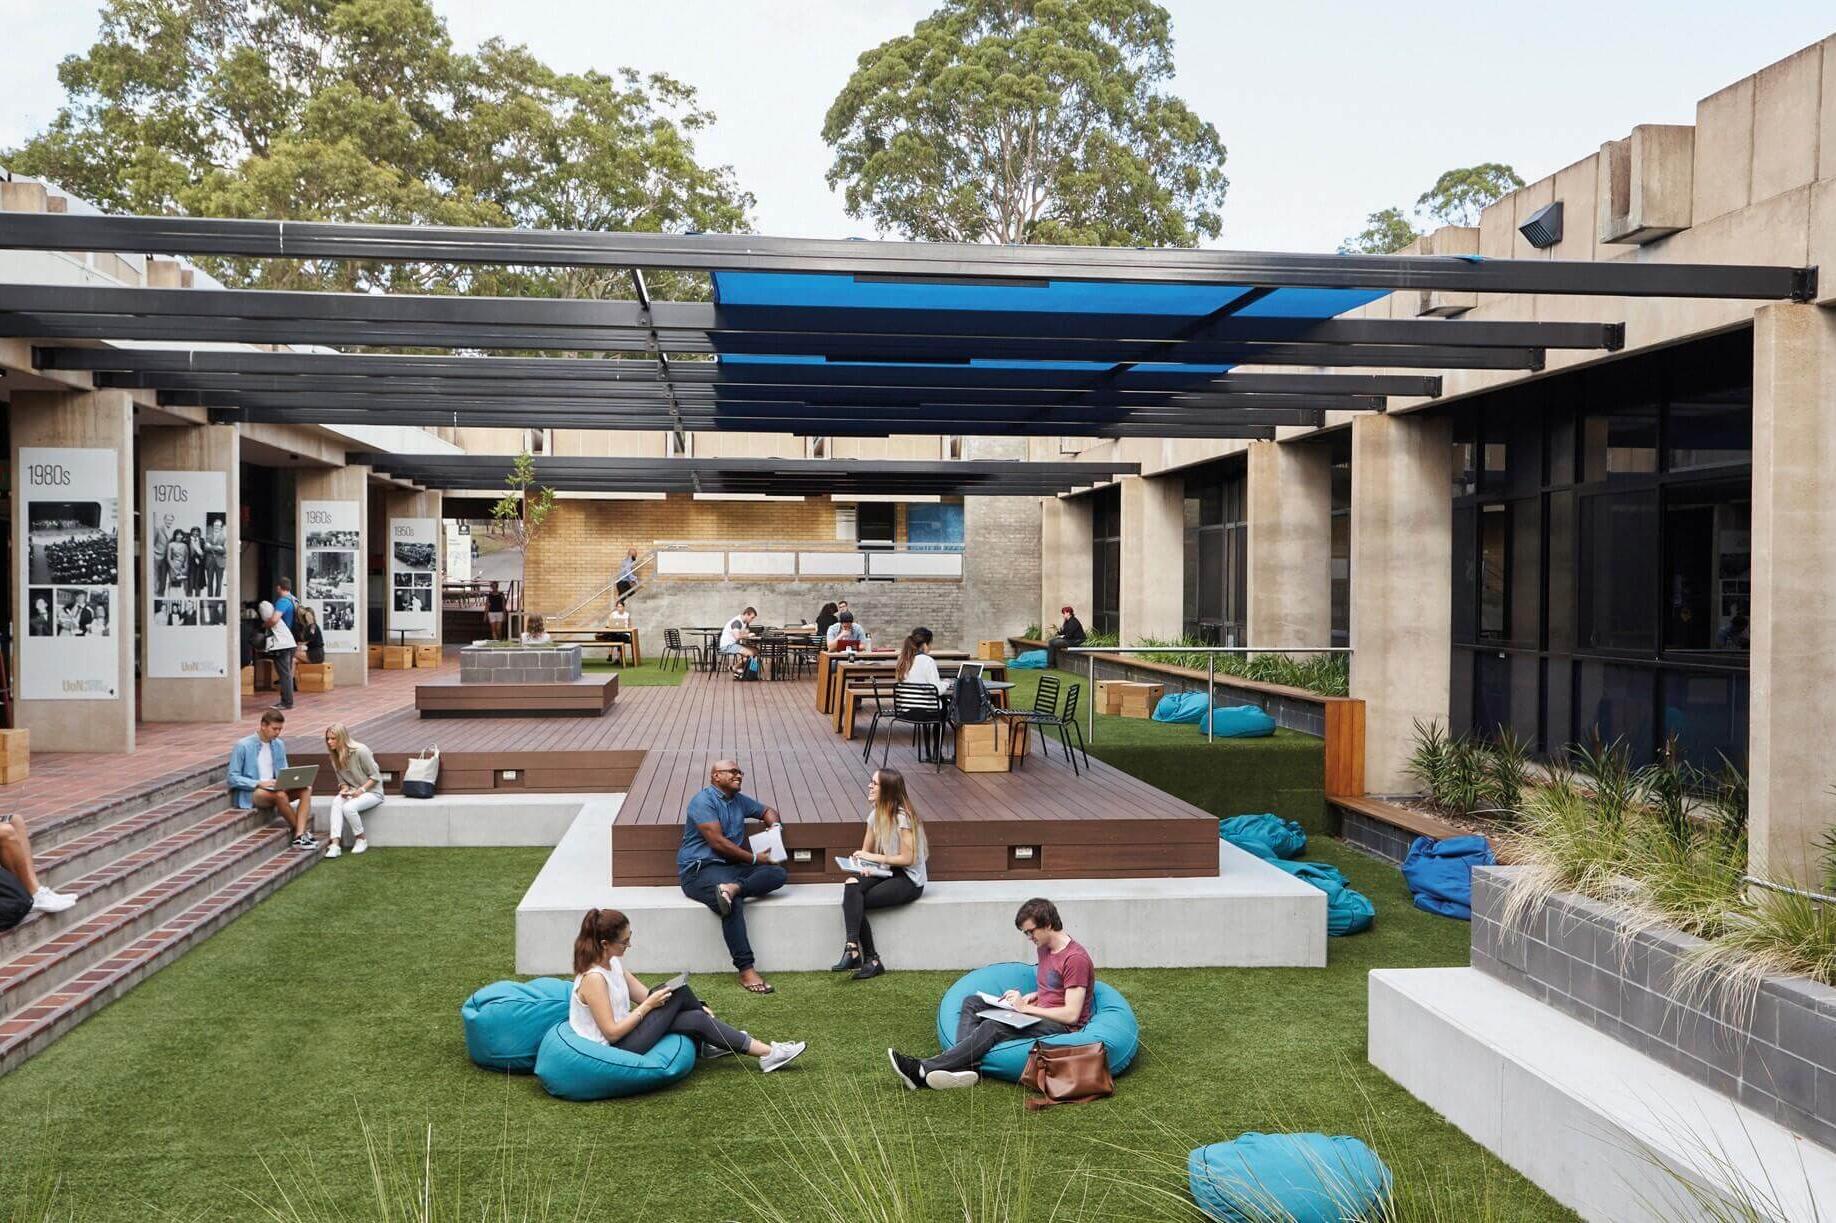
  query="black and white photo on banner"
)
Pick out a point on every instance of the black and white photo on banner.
point(70, 570)
point(186, 563)
point(331, 535)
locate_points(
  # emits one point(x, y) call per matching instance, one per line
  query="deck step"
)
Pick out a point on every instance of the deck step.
point(61, 864)
point(246, 878)
point(119, 869)
point(25, 977)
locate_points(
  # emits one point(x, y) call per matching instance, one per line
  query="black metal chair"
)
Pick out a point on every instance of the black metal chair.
point(687, 656)
point(1067, 725)
point(1043, 713)
point(882, 698)
point(921, 707)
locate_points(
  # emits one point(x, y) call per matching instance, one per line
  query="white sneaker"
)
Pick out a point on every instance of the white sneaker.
point(944, 1080)
point(360, 844)
point(335, 850)
point(47, 901)
point(782, 1051)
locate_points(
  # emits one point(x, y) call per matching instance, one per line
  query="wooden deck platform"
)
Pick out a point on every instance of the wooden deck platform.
point(658, 743)
point(590, 696)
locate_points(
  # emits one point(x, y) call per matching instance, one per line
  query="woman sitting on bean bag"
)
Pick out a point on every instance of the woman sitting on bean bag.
point(611, 1007)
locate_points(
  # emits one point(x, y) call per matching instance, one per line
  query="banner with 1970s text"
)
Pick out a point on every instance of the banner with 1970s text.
point(186, 558)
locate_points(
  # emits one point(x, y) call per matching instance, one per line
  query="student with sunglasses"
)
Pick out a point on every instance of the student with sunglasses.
point(716, 867)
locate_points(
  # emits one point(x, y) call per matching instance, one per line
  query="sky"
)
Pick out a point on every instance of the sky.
point(1329, 111)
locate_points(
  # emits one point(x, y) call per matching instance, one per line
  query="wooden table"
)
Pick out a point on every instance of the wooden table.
point(825, 662)
point(848, 701)
point(590, 636)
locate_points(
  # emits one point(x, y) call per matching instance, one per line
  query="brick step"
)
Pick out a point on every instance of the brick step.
point(28, 976)
point(82, 993)
point(60, 865)
point(119, 869)
point(50, 831)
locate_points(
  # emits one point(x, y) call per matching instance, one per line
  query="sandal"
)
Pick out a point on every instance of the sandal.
point(758, 987)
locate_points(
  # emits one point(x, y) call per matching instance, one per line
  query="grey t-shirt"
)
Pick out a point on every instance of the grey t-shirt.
point(916, 871)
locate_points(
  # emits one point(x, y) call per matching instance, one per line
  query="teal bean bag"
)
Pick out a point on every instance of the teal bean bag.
point(1239, 722)
point(1180, 707)
point(1348, 911)
point(1266, 836)
point(506, 1021)
point(1031, 660)
point(575, 1068)
point(1289, 1178)
point(1112, 1021)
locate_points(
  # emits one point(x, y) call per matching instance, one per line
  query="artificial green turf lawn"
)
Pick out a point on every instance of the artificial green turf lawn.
point(251, 1062)
point(1284, 773)
point(650, 675)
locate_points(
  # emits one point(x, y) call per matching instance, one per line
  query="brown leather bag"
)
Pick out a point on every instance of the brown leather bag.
point(1066, 1074)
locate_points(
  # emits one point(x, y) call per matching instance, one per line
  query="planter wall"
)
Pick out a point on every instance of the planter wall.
point(1779, 1060)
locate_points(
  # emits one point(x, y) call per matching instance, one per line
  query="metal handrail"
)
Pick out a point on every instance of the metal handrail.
point(648, 558)
point(1211, 677)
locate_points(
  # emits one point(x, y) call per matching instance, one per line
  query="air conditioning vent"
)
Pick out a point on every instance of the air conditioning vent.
point(1544, 228)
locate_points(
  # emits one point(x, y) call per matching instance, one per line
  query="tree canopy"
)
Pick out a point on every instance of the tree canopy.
point(1457, 198)
point(363, 110)
point(1027, 121)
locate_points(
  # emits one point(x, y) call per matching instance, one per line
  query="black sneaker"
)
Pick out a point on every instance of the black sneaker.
point(907, 1068)
point(849, 961)
point(871, 969)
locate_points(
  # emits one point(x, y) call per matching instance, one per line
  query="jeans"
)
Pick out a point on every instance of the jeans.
point(283, 676)
point(683, 1013)
point(352, 809)
point(877, 893)
point(702, 883)
point(975, 1036)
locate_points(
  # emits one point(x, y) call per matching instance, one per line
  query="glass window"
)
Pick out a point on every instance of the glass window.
point(1505, 694)
point(1707, 715)
point(1707, 434)
point(1465, 574)
point(1465, 458)
point(1620, 444)
point(1619, 571)
point(1524, 585)
point(1559, 443)
point(1561, 571)
point(1707, 569)
point(1613, 703)
point(1494, 562)
point(1341, 579)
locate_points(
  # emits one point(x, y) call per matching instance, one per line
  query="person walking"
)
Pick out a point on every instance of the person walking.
point(627, 573)
point(894, 841)
point(716, 868)
point(281, 646)
point(360, 788)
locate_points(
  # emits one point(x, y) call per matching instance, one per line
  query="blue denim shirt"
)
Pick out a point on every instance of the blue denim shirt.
point(711, 804)
point(245, 768)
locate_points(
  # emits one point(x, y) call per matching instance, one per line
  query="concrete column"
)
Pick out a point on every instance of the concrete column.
point(1790, 769)
point(1064, 559)
point(1153, 557)
point(203, 699)
point(89, 419)
point(401, 503)
point(1289, 497)
point(340, 484)
point(1401, 585)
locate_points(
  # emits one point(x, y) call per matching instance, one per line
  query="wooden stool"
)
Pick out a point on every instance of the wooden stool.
point(312, 676)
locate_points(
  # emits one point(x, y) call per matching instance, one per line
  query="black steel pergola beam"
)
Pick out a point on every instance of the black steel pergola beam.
point(746, 252)
point(749, 328)
point(546, 372)
point(846, 348)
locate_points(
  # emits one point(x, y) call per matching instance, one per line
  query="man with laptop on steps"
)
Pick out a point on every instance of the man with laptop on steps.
point(260, 779)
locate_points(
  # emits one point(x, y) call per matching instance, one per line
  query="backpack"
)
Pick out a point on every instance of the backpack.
point(969, 701)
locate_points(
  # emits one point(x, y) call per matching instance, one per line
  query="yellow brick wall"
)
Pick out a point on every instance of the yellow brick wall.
point(579, 548)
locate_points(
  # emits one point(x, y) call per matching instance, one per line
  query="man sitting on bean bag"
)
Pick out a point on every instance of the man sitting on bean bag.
point(1062, 1003)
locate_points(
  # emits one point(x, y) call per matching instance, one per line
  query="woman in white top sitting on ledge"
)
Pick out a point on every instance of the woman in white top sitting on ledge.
point(611, 1007)
point(894, 841)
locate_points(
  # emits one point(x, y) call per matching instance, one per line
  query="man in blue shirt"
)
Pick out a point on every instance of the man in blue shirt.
point(717, 869)
point(284, 602)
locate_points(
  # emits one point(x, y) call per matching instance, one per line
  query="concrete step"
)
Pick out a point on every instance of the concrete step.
point(27, 977)
point(51, 831)
point(120, 868)
point(60, 864)
point(1605, 1130)
point(82, 993)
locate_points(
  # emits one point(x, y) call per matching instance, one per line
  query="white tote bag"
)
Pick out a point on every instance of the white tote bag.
point(422, 776)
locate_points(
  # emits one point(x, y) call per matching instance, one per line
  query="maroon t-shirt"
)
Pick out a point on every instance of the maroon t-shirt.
point(1066, 969)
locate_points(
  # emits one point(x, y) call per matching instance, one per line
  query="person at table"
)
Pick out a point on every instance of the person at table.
point(311, 638)
point(842, 612)
point(1070, 633)
point(916, 666)
point(715, 867)
point(825, 620)
point(735, 645)
point(536, 632)
point(846, 635)
point(1066, 977)
point(610, 1006)
point(894, 840)
point(618, 626)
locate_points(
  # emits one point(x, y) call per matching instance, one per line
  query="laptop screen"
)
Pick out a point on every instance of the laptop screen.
point(970, 670)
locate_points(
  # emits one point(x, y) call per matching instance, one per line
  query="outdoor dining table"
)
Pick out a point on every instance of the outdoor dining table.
point(710, 638)
point(590, 637)
point(848, 700)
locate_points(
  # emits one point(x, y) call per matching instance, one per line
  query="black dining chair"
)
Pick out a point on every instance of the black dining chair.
point(880, 693)
point(919, 706)
point(1043, 713)
point(685, 656)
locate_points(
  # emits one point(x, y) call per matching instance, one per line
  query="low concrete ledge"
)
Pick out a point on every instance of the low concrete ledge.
point(1607, 1132)
point(1256, 916)
point(469, 820)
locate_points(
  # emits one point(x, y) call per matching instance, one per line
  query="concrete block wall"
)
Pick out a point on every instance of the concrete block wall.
point(1777, 1057)
point(1374, 837)
point(889, 610)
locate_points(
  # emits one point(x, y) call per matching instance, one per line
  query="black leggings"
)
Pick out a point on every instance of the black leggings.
point(683, 1013)
point(876, 893)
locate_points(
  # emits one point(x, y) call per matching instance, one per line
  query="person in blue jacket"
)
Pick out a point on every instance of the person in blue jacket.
point(254, 763)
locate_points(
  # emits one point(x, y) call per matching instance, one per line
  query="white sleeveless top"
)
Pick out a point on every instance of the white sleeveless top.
point(580, 1018)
